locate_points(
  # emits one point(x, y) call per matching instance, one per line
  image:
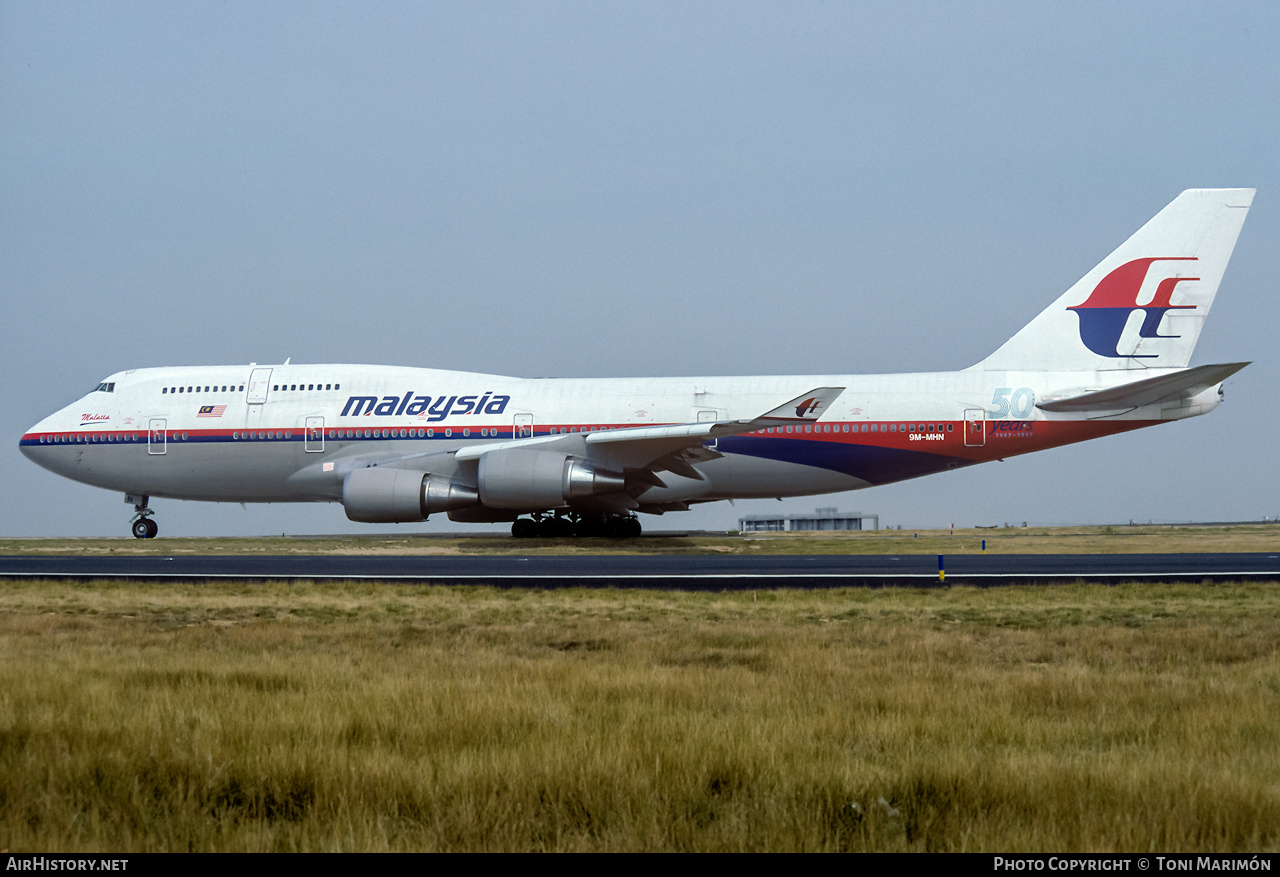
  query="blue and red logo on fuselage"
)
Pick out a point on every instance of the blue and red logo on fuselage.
point(1105, 312)
point(808, 406)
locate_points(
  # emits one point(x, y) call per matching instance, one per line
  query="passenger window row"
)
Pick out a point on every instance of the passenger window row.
point(91, 437)
point(232, 388)
point(865, 427)
point(225, 388)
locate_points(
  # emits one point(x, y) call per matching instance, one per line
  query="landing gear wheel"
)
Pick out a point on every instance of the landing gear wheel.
point(555, 527)
point(524, 528)
point(589, 526)
point(623, 528)
point(142, 527)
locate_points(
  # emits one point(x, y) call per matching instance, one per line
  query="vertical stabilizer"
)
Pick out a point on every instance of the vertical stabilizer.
point(1144, 305)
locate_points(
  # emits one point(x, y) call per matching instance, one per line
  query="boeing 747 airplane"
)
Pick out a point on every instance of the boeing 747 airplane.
point(583, 456)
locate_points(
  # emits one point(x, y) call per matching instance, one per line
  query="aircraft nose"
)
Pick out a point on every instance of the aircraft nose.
point(28, 442)
point(34, 439)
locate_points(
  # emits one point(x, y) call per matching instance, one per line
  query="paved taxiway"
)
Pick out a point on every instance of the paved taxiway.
point(688, 572)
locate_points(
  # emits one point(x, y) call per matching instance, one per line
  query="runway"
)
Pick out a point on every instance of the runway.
point(664, 571)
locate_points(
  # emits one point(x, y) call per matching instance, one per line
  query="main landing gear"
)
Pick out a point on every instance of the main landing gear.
point(143, 527)
point(549, 526)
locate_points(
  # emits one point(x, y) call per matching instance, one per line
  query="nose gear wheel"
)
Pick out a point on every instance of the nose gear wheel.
point(143, 527)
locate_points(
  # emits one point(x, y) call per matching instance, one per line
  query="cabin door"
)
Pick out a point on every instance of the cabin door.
point(157, 430)
point(975, 427)
point(523, 427)
point(313, 441)
point(259, 383)
point(709, 416)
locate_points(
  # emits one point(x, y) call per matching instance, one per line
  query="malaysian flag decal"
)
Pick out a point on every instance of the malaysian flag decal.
point(211, 410)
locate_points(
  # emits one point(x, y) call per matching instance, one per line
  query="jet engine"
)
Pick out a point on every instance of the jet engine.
point(395, 496)
point(530, 479)
point(516, 479)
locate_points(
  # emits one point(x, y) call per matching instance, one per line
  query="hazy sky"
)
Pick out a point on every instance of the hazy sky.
point(605, 189)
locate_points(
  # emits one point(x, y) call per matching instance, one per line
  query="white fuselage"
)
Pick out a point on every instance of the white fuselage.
point(292, 432)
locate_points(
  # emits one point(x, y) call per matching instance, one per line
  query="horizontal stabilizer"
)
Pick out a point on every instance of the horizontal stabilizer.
point(1181, 384)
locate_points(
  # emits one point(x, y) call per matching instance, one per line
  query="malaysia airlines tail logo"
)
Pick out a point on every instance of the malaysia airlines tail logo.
point(808, 406)
point(1105, 312)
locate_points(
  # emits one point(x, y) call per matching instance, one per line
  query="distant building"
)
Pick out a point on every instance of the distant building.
point(821, 519)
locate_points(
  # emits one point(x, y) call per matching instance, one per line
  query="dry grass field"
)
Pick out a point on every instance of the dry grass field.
point(359, 717)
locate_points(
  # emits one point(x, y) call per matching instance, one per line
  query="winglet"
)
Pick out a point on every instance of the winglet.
point(805, 408)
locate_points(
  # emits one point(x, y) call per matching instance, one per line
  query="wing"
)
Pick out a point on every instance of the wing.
point(677, 448)
point(606, 470)
point(642, 452)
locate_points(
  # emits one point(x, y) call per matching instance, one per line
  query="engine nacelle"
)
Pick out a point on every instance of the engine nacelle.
point(530, 479)
point(395, 496)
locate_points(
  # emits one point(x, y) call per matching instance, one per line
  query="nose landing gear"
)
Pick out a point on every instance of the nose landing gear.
point(143, 527)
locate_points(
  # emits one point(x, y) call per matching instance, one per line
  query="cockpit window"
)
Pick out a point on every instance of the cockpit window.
point(105, 387)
